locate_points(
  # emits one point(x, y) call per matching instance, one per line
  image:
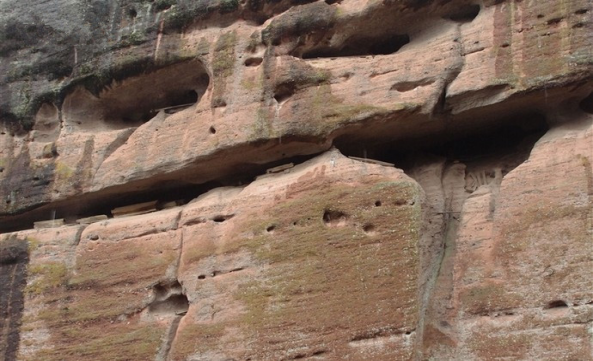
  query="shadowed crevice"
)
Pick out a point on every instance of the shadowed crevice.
point(14, 258)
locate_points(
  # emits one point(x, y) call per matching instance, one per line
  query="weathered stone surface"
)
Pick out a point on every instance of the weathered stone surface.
point(261, 85)
point(515, 278)
point(451, 220)
point(322, 256)
point(312, 270)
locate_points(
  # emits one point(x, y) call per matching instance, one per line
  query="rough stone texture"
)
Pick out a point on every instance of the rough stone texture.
point(515, 278)
point(477, 245)
point(324, 249)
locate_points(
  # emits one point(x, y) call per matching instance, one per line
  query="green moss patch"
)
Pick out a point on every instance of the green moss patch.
point(324, 276)
point(91, 312)
point(197, 338)
point(222, 65)
point(46, 276)
point(106, 343)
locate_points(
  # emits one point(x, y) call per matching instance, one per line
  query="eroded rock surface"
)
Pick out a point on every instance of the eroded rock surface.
point(175, 180)
point(319, 248)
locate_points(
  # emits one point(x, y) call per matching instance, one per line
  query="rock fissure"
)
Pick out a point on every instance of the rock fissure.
point(463, 167)
point(14, 259)
point(182, 305)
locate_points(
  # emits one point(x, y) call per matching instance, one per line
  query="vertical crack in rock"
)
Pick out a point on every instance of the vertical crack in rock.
point(78, 235)
point(165, 349)
point(178, 303)
point(452, 73)
point(170, 301)
point(120, 139)
point(439, 290)
point(452, 173)
point(476, 170)
point(14, 258)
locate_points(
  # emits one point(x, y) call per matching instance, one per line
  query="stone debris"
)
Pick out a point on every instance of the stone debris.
point(372, 161)
point(49, 224)
point(174, 109)
point(134, 209)
point(93, 219)
point(171, 204)
point(280, 168)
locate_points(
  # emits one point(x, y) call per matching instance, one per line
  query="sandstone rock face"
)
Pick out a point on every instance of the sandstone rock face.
point(325, 248)
point(279, 180)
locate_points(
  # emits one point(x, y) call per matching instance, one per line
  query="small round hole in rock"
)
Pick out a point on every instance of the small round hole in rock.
point(212, 130)
point(201, 277)
point(222, 218)
point(556, 304)
point(378, 204)
point(284, 91)
point(218, 103)
point(400, 202)
point(132, 13)
point(271, 228)
point(334, 218)
point(253, 61)
point(369, 228)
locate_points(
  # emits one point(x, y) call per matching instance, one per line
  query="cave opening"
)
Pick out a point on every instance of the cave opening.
point(127, 102)
point(586, 104)
point(464, 14)
point(168, 298)
point(510, 141)
point(361, 46)
point(171, 193)
point(334, 218)
point(284, 91)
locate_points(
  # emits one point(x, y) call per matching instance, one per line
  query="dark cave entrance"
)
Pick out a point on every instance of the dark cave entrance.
point(361, 46)
point(510, 141)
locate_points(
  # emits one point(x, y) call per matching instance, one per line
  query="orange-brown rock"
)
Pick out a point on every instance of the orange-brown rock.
point(303, 263)
point(281, 180)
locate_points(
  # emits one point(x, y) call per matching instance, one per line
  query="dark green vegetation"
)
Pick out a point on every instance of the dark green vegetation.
point(91, 51)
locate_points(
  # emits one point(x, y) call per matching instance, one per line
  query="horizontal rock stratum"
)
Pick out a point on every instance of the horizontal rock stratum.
point(282, 180)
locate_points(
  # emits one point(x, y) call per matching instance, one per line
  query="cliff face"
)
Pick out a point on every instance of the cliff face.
point(278, 180)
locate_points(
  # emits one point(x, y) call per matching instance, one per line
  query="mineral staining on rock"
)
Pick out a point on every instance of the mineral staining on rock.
point(278, 180)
